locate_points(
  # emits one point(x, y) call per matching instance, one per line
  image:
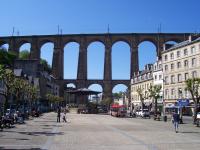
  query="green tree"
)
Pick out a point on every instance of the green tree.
point(45, 64)
point(107, 102)
point(18, 89)
point(193, 86)
point(25, 54)
point(32, 94)
point(154, 93)
point(7, 76)
point(7, 58)
point(54, 99)
point(141, 97)
point(117, 95)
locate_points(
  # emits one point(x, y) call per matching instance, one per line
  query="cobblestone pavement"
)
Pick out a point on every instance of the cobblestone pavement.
point(99, 132)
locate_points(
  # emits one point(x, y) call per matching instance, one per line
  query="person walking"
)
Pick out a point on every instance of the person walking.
point(175, 121)
point(58, 114)
point(64, 116)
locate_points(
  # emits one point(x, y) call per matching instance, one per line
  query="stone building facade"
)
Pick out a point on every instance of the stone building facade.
point(180, 62)
point(158, 79)
point(45, 82)
point(142, 80)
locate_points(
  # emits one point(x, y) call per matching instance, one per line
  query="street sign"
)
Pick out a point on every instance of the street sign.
point(183, 102)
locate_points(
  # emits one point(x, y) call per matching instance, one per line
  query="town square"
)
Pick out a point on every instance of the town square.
point(91, 75)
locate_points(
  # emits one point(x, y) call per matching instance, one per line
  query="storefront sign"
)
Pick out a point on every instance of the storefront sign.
point(183, 102)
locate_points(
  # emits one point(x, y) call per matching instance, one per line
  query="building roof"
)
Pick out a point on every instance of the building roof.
point(182, 44)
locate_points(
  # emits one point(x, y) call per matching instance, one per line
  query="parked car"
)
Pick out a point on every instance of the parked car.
point(143, 113)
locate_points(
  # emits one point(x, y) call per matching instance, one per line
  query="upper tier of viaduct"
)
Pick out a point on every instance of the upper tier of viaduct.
point(108, 39)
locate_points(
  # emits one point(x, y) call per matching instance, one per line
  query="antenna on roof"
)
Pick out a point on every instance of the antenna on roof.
point(108, 30)
point(58, 29)
point(159, 28)
point(61, 31)
point(18, 33)
point(13, 31)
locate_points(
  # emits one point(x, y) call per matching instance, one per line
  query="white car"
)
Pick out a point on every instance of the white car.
point(145, 113)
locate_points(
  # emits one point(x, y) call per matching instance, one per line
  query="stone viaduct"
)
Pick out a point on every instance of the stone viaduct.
point(108, 39)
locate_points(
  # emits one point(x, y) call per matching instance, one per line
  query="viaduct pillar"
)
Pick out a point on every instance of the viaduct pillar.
point(82, 65)
point(35, 49)
point(57, 63)
point(134, 60)
point(107, 73)
point(58, 60)
point(12, 45)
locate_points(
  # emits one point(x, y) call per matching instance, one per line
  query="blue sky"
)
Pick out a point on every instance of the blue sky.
point(34, 17)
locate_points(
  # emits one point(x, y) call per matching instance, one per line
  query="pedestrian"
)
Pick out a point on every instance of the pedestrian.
point(64, 116)
point(58, 114)
point(175, 121)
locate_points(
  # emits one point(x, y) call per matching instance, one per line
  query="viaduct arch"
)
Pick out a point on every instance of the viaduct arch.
point(84, 40)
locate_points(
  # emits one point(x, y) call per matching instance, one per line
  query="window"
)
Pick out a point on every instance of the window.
point(193, 49)
point(193, 62)
point(160, 66)
point(178, 54)
point(166, 93)
point(180, 93)
point(178, 64)
point(160, 77)
point(179, 78)
point(186, 76)
point(165, 57)
point(166, 80)
point(172, 66)
point(155, 67)
point(172, 92)
point(186, 63)
point(155, 77)
point(166, 67)
point(185, 52)
point(172, 79)
point(172, 56)
point(194, 74)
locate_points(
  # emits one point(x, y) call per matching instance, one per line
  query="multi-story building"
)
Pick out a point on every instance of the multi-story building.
point(142, 80)
point(45, 82)
point(158, 80)
point(180, 62)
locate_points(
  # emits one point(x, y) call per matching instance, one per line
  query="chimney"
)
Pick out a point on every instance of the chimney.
point(193, 37)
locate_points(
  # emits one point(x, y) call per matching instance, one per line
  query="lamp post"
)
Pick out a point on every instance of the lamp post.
point(180, 107)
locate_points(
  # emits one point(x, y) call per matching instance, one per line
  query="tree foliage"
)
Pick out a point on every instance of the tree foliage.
point(154, 93)
point(7, 58)
point(117, 95)
point(141, 96)
point(8, 77)
point(54, 99)
point(193, 86)
point(106, 101)
point(25, 54)
point(45, 64)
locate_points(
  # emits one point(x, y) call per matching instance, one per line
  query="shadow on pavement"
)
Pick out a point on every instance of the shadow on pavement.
point(51, 125)
point(21, 139)
point(38, 133)
point(23, 148)
point(189, 132)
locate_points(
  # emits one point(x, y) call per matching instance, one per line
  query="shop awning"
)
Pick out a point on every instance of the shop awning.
point(117, 106)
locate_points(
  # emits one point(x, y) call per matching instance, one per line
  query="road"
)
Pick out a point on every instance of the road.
point(99, 132)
